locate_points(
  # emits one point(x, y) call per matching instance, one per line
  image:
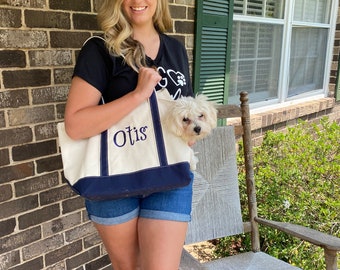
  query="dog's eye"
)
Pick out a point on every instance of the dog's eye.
point(185, 119)
point(201, 116)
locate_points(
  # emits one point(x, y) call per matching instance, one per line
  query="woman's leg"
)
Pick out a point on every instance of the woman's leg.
point(162, 228)
point(161, 243)
point(116, 221)
point(121, 243)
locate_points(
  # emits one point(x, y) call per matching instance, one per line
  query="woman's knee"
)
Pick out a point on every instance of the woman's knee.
point(121, 244)
point(161, 243)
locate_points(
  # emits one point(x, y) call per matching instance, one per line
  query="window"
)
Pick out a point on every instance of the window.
point(255, 61)
point(281, 50)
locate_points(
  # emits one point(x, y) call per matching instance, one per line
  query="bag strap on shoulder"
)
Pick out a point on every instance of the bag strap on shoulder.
point(92, 38)
point(158, 130)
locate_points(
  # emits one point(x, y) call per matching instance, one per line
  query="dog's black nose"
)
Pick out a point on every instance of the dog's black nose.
point(197, 130)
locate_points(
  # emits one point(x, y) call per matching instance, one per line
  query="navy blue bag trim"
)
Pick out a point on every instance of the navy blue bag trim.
point(158, 130)
point(139, 183)
point(104, 163)
point(143, 183)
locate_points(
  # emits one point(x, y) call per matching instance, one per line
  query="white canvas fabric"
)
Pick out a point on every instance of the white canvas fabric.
point(134, 150)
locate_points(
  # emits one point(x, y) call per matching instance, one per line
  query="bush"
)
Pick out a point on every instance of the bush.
point(297, 176)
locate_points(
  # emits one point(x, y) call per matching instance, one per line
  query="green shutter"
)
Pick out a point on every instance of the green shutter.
point(212, 48)
point(337, 86)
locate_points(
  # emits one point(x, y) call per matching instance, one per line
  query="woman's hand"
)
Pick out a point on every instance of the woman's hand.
point(148, 78)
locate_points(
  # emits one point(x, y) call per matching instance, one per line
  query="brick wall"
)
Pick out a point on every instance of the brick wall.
point(43, 224)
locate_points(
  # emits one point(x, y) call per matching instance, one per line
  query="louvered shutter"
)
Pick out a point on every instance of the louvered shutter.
point(212, 48)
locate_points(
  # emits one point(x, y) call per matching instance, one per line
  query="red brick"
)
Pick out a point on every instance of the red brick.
point(12, 58)
point(16, 172)
point(85, 21)
point(11, 208)
point(10, 18)
point(46, 19)
point(65, 39)
point(4, 157)
point(83, 258)
point(45, 131)
point(56, 194)
point(6, 193)
point(99, 263)
point(43, 246)
point(14, 98)
point(26, 78)
point(23, 39)
point(15, 136)
point(10, 259)
point(84, 5)
point(49, 164)
point(63, 253)
point(34, 150)
point(38, 216)
point(61, 224)
point(36, 184)
point(31, 115)
point(50, 94)
point(7, 227)
point(20, 239)
point(37, 263)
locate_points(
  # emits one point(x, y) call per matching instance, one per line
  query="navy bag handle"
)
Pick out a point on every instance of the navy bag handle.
point(104, 165)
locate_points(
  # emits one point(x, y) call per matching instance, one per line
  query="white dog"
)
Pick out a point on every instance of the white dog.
point(191, 119)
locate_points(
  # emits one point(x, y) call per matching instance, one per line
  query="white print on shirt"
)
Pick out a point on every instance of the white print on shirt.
point(164, 81)
point(176, 77)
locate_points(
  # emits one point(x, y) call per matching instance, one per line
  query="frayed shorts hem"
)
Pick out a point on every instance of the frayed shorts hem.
point(149, 214)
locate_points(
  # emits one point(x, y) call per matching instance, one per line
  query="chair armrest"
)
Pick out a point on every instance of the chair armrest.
point(315, 237)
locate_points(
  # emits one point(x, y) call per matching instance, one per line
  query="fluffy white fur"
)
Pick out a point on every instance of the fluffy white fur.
point(191, 119)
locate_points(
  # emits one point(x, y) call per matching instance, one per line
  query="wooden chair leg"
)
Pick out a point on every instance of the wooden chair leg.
point(331, 260)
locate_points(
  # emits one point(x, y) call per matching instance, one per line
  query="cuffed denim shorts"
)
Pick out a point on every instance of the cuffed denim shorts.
point(174, 205)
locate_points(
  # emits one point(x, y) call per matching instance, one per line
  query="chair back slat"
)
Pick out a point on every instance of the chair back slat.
point(216, 204)
point(228, 111)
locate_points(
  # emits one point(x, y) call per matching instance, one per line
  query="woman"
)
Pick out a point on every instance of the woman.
point(143, 232)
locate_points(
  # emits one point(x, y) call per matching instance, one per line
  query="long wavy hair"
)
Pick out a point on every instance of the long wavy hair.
point(118, 30)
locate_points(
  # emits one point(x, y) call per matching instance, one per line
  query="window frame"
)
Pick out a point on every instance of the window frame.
point(284, 73)
point(337, 83)
point(287, 23)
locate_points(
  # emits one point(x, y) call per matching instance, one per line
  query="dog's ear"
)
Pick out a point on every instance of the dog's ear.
point(172, 120)
point(210, 109)
point(201, 98)
point(212, 115)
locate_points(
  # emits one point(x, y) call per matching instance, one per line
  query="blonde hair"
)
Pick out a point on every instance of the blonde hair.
point(118, 30)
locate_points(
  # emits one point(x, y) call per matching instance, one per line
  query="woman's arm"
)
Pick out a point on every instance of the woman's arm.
point(85, 118)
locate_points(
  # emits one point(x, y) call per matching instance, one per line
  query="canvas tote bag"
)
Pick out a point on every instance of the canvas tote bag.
point(136, 156)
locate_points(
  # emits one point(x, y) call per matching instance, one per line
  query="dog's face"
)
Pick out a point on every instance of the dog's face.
point(192, 118)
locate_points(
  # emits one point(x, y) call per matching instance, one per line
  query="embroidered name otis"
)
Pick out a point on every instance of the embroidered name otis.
point(130, 135)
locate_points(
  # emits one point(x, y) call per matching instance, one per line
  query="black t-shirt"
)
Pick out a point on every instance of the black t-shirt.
point(113, 78)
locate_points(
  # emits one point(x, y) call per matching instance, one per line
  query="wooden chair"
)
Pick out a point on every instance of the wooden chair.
point(216, 202)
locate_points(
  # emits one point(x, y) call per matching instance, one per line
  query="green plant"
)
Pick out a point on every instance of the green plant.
point(297, 176)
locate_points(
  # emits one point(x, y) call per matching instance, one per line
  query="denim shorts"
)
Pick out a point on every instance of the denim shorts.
point(172, 205)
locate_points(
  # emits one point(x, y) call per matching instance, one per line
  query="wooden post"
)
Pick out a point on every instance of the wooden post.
point(331, 260)
point(249, 166)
